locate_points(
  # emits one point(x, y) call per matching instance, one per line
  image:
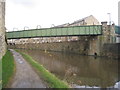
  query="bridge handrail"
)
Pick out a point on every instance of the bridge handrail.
point(59, 31)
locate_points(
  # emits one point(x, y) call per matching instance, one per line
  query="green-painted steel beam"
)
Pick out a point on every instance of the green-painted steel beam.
point(117, 29)
point(56, 32)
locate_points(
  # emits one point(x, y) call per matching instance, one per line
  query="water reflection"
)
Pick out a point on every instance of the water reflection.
point(79, 70)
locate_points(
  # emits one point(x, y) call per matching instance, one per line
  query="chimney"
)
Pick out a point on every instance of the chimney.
point(104, 23)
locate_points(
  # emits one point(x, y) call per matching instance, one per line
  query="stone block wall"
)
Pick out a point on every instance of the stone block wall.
point(2, 29)
point(2, 44)
point(83, 48)
point(86, 45)
point(112, 50)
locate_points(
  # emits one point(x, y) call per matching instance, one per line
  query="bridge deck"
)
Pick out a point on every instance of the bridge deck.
point(55, 32)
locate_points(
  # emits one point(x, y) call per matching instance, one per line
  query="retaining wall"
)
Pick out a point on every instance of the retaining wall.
point(91, 45)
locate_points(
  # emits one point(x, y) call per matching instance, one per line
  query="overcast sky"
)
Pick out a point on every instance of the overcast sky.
point(30, 13)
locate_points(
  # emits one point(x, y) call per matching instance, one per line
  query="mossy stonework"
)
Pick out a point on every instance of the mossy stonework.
point(2, 29)
point(2, 36)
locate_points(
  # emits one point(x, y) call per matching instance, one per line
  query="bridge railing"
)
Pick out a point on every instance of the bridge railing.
point(54, 32)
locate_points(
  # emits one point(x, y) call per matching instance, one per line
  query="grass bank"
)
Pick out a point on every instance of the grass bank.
point(0, 74)
point(8, 68)
point(51, 79)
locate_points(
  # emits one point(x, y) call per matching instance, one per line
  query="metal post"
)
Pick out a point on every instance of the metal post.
point(52, 25)
point(73, 30)
point(67, 35)
point(13, 37)
point(38, 27)
point(14, 29)
point(109, 18)
point(26, 27)
point(50, 32)
point(89, 30)
point(85, 30)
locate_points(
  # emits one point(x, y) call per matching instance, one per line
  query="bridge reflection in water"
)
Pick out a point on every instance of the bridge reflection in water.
point(79, 70)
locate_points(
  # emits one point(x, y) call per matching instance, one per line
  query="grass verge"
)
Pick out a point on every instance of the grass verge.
point(7, 68)
point(51, 79)
point(0, 74)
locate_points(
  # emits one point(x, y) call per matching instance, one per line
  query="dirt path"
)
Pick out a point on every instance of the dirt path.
point(25, 76)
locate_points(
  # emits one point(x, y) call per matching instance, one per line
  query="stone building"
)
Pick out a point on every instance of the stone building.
point(90, 20)
point(2, 28)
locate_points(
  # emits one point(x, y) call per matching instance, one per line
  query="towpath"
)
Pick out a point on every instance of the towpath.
point(25, 76)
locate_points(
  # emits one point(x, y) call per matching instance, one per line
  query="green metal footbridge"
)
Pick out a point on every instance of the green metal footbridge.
point(56, 32)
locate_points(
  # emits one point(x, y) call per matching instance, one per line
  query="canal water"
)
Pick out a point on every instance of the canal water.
point(79, 70)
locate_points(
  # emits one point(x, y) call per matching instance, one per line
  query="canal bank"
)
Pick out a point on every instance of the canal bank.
point(25, 76)
point(22, 75)
point(83, 48)
point(79, 70)
point(52, 81)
